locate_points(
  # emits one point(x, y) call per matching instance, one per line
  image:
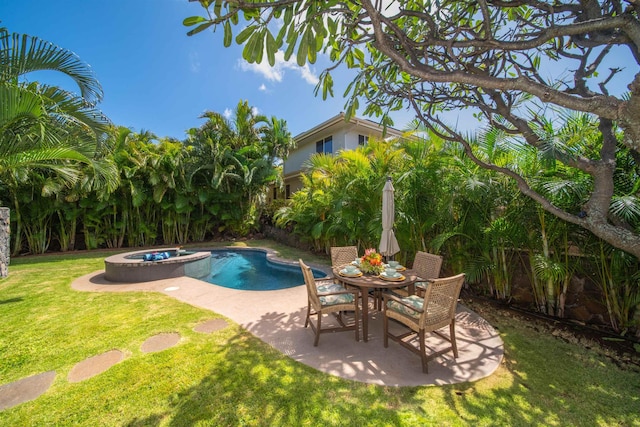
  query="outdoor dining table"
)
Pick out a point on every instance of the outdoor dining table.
point(372, 281)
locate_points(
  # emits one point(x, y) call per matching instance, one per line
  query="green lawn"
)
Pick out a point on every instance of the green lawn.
point(231, 378)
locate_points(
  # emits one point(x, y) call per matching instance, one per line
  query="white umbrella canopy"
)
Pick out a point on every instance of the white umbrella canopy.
point(388, 243)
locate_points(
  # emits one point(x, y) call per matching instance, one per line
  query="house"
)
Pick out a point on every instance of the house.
point(330, 136)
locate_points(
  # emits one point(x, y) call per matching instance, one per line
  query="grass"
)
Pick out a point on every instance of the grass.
point(231, 378)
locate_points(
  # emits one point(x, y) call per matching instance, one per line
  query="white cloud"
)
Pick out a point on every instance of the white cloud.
point(194, 62)
point(277, 72)
point(228, 112)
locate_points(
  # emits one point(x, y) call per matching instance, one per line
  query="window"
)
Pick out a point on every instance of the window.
point(325, 145)
point(287, 191)
point(363, 140)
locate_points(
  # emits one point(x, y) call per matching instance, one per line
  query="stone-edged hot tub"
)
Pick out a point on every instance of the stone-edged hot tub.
point(132, 267)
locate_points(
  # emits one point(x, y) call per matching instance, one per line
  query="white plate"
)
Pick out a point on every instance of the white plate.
point(394, 276)
point(350, 273)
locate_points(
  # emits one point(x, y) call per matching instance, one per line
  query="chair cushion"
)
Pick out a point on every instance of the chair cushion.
point(421, 285)
point(333, 299)
point(412, 300)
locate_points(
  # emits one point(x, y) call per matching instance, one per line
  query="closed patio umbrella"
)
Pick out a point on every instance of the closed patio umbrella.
point(388, 243)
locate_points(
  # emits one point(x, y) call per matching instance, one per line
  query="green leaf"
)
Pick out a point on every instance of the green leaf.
point(272, 47)
point(289, 51)
point(193, 20)
point(292, 36)
point(327, 86)
point(288, 15)
point(311, 42)
point(333, 26)
point(248, 53)
point(259, 46)
point(316, 231)
point(536, 62)
point(352, 108)
point(359, 55)
point(303, 49)
point(228, 36)
point(281, 34)
point(250, 14)
point(245, 34)
point(217, 9)
point(200, 28)
point(348, 59)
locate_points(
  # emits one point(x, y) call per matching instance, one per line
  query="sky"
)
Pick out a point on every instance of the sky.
point(156, 78)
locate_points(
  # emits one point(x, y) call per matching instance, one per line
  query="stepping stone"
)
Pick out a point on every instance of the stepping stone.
point(24, 390)
point(94, 365)
point(160, 342)
point(211, 326)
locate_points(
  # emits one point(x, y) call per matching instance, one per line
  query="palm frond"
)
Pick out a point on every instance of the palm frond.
point(626, 207)
point(21, 54)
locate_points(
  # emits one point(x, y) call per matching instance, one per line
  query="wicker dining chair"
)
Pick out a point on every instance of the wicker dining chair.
point(342, 255)
point(427, 266)
point(326, 297)
point(425, 315)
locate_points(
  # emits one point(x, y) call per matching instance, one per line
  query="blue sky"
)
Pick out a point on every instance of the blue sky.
point(157, 78)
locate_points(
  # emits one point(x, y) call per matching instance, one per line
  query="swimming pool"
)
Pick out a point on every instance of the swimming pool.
point(251, 270)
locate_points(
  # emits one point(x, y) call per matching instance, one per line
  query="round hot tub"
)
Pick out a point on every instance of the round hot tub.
point(145, 266)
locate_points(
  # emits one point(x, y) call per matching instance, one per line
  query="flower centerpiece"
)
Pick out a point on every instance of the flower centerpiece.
point(371, 262)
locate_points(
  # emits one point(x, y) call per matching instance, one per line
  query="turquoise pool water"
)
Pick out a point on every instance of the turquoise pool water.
point(250, 270)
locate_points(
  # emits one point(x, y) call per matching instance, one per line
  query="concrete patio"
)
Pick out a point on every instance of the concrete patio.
point(277, 318)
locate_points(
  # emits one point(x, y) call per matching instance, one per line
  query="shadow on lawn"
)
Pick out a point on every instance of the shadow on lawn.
point(544, 383)
point(254, 385)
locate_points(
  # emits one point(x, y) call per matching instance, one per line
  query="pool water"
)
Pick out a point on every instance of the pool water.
point(251, 271)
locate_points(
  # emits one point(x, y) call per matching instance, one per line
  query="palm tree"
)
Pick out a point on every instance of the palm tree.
point(235, 158)
point(45, 128)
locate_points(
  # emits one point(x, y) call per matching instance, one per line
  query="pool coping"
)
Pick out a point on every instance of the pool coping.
point(122, 268)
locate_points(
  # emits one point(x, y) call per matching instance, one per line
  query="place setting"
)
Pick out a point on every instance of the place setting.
point(396, 265)
point(350, 270)
point(391, 274)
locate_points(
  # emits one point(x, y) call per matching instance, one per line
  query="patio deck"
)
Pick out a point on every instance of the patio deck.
point(277, 318)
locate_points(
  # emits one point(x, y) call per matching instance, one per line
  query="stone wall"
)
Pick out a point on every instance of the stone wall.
point(284, 237)
point(4, 242)
point(583, 300)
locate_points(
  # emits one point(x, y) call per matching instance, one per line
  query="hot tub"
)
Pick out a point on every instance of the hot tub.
point(131, 266)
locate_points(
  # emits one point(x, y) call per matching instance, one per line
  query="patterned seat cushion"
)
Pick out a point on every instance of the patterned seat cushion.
point(333, 299)
point(412, 300)
point(421, 285)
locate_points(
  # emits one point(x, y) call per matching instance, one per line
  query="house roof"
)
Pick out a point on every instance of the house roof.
point(340, 117)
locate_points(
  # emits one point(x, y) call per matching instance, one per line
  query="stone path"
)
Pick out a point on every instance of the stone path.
point(94, 365)
point(32, 387)
point(160, 342)
point(26, 389)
